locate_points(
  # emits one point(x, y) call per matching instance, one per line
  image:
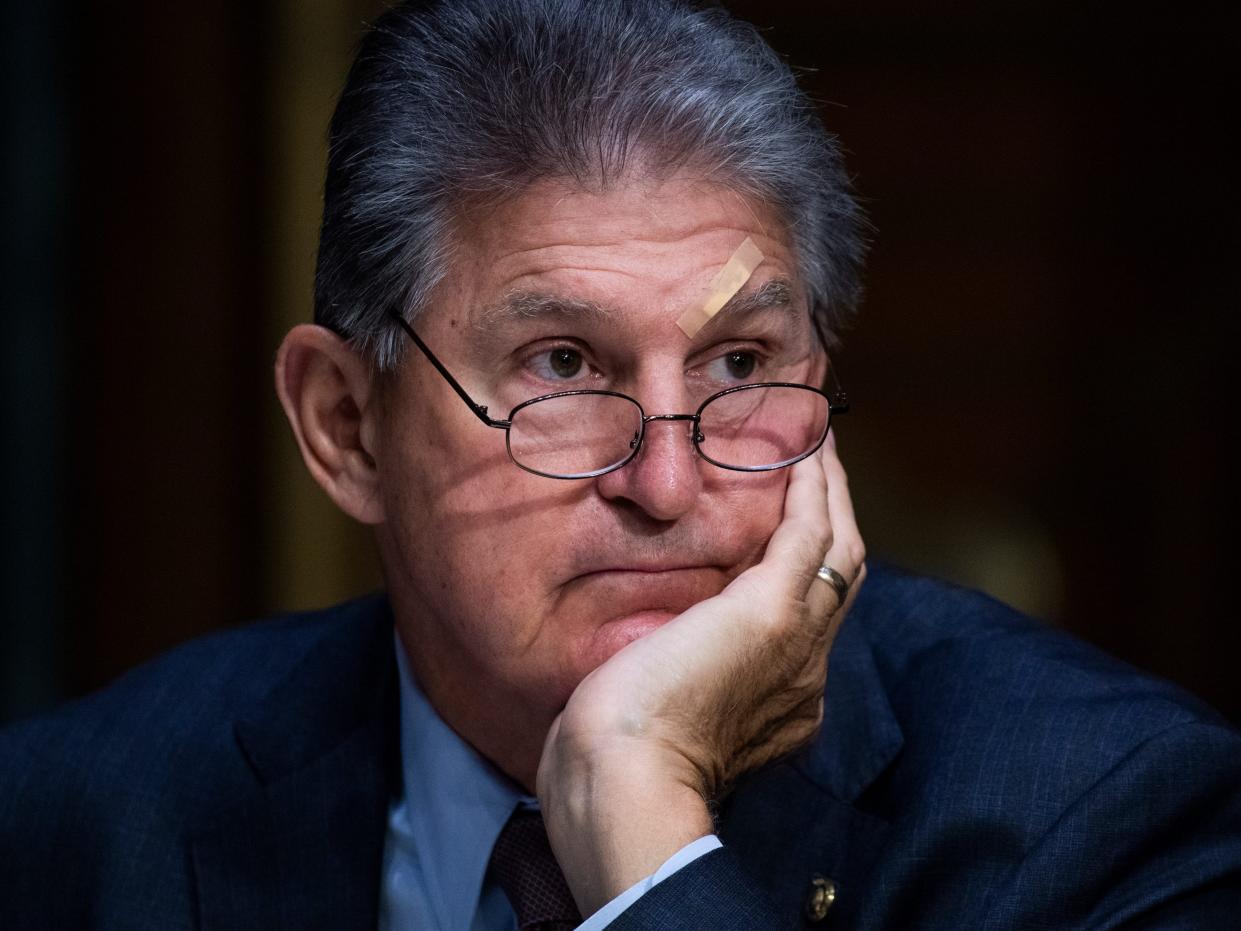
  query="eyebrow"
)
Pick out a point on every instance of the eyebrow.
point(778, 292)
point(531, 305)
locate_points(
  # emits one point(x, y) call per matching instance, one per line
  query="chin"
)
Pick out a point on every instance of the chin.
point(610, 610)
point(592, 650)
point(617, 634)
point(610, 638)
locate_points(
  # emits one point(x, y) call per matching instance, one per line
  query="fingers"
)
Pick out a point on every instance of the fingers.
point(818, 529)
point(795, 550)
point(846, 551)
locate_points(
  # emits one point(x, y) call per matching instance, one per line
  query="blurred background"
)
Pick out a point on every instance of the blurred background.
point(1042, 373)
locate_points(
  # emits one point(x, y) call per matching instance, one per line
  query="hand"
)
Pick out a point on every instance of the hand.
point(673, 719)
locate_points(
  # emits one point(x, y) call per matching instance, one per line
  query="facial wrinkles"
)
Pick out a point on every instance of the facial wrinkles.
point(630, 306)
point(633, 224)
point(646, 244)
point(522, 306)
point(674, 260)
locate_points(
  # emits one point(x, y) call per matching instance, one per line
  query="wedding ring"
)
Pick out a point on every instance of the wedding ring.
point(834, 579)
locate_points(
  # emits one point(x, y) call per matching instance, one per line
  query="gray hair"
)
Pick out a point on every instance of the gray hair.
point(458, 102)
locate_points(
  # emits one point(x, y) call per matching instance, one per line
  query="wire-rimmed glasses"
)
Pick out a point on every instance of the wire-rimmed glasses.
point(585, 433)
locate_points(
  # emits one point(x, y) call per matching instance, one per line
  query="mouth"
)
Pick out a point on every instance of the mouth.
point(617, 592)
point(643, 570)
point(619, 604)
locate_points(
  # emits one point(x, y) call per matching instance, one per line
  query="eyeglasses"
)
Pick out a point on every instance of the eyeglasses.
point(587, 433)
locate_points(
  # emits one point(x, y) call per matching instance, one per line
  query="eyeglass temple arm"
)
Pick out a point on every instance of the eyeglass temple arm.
point(838, 401)
point(480, 410)
point(837, 397)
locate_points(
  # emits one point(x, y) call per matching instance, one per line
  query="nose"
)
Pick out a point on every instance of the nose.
point(663, 480)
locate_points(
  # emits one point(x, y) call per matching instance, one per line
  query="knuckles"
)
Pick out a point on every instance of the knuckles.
point(857, 554)
point(859, 560)
point(824, 536)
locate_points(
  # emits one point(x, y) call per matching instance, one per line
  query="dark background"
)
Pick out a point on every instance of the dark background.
point(1042, 372)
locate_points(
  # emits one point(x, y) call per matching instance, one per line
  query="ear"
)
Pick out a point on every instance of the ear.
point(326, 390)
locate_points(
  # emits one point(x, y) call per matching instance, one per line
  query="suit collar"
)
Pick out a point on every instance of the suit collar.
point(305, 848)
point(344, 679)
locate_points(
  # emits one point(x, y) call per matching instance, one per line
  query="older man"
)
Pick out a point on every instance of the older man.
point(580, 271)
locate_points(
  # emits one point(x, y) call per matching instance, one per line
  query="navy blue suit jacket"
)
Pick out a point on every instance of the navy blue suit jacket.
point(974, 770)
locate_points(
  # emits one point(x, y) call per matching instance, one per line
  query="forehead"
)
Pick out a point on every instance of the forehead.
point(653, 245)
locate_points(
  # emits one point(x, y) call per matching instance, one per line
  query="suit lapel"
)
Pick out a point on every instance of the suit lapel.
point(797, 820)
point(305, 849)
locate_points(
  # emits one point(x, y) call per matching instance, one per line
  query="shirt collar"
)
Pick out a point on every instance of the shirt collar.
point(456, 803)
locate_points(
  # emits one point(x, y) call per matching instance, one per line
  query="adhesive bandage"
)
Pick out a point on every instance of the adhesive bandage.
point(727, 282)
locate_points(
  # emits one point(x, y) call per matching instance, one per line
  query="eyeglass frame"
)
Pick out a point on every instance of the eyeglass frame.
point(837, 403)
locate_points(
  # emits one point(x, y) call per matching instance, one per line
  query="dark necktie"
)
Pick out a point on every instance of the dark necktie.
point(524, 866)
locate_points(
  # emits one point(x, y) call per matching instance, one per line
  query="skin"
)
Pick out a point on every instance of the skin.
point(625, 645)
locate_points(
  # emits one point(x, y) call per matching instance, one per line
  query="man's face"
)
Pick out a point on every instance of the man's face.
point(511, 587)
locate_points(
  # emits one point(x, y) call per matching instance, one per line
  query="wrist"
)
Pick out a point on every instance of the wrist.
point(615, 814)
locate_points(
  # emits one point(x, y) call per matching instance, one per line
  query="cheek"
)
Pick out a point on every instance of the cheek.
point(747, 508)
point(478, 539)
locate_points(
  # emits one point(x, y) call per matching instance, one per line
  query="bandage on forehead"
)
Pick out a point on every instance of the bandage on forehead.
point(727, 282)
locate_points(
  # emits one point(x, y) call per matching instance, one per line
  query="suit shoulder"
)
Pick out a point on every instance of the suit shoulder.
point(166, 726)
point(983, 693)
point(929, 636)
point(102, 794)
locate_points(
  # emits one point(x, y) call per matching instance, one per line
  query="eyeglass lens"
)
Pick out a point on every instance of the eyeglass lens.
point(574, 435)
point(763, 427)
point(578, 435)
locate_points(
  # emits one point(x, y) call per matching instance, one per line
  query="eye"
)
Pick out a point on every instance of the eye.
point(564, 363)
point(558, 363)
point(739, 364)
point(734, 366)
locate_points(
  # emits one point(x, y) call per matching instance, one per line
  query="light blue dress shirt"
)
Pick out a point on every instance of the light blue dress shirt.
point(443, 827)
